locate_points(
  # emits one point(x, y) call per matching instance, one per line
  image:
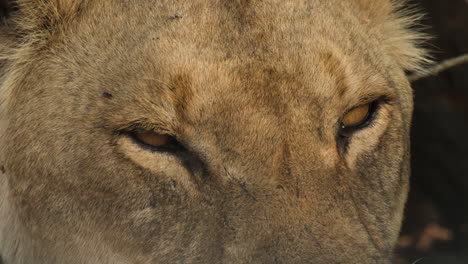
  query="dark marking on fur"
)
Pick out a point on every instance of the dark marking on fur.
point(287, 170)
point(107, 95)
point(181, 88)
point(2, 169)
point(310, 234)
point(225, 223)
point(244, 18)
point(298, 192)
point(378, 244)
point(342, 143)
point(402, 166)
point(321, 133)
point(242, 10)
point(176, 15)
point(70, 77)
point(243, 185)
point(335, 69)
point(193, 163)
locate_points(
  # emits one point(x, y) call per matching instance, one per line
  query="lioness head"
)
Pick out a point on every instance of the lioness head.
point(224, 131)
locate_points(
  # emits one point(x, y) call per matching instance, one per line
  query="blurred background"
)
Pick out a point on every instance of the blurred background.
point(435, 228)
point(436, 223)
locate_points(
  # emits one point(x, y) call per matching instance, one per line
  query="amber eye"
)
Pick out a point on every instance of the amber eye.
point(356, 117)
point(155, 141)
point(359, 118)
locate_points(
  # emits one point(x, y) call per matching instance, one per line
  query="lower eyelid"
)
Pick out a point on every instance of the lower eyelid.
point(172, 148)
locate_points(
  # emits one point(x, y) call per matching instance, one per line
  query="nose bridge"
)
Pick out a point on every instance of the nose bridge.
point(308, 158)
point(286, 143)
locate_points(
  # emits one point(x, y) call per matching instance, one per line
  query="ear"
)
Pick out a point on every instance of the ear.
point(32, 23)
point(26, 26)
point(39, 18)
point(399, 24)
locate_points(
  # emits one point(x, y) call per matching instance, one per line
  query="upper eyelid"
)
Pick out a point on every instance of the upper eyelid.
point(379, 99)
point(139, 126)
point(373, 98)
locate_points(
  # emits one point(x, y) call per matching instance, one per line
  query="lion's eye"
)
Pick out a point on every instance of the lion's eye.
point(357, 118)
point(155, 141)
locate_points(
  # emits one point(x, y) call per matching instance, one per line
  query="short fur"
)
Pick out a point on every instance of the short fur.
point(254, 90)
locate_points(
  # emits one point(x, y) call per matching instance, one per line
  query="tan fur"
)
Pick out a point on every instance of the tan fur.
point(254, 90)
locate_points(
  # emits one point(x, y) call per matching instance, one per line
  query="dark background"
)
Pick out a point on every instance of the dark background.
point(435, 229)
point(439, 183)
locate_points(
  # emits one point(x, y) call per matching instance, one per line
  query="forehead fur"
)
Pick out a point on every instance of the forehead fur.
point(38, 21)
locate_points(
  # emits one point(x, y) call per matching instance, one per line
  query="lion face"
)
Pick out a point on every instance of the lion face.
point(205, 132)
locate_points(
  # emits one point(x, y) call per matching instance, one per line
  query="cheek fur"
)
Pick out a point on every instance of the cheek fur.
point(368, 138)
point(164, 164)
